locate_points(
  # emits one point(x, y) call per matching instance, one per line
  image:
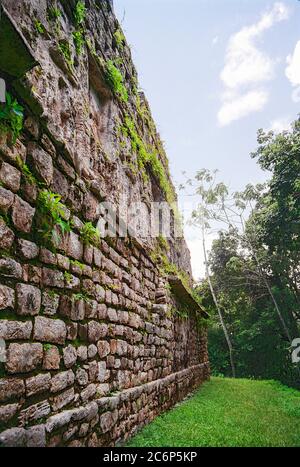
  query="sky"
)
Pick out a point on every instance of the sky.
point(214, 72)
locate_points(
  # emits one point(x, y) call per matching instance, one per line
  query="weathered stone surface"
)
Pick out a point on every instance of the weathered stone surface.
point(36, 436)
point(10, 177)
point(37, 384)
point(42, 163)
point(22, 215)
point(63, 262)
point(92, 351)
point(72, 331)
point(112, 315)
point(49, 330)
point(28, 300)
point(10, 268)
point(11, 388)
point(70, 356)
point(23, 358)
point(50, 302)
point(15, 330)
point(75, 247)
point(101, 372)
point(62, 381)
point(7, 297)
point(91, 309)
point(28, 250)
point(63, 399)
point(84, 428)
point(103, 389)
point(82, 377)
point(52, 278)
point(51, 360)
point(99, 293)
point(7, 412)
point(6, 199)
point(58, 421)
point(108, 420)
point(72, 283)
point(71, 308)
point(88, 392)
point(32, 126)
point(60, 184)
point(46, 256)
point(102, 311)
point(82, 353)
point(6, 236)
point(103, 348)
point(96, 331)
point(14, 437)
point(34, 412)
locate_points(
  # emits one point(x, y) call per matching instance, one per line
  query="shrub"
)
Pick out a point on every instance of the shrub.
point(80, 13)
point(89, 234)
point(79, 41)
point(51, 215)
point(114, 79)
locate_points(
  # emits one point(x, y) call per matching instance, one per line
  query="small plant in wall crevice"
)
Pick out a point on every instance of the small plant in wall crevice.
point(11, 117)
point(80, 13)
point(51, 217)
point(89, 234)
point(115, 81)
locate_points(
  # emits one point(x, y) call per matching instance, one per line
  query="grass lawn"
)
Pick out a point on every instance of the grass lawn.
point(227, 412)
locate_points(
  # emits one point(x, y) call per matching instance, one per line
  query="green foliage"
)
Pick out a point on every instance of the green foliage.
point(77, 264)
point(51, 217)
point(182, 313)
point(81, 296)
point(163, 243)
point(68, 277)
point(89, 234)
point(229, 413)
point(115, 81)
point(148, 158)
point(261, 350)
point(39, 26)
point(54, 13)
point(28, 175)
point(65, 49)
point(79, 41)
point(11, 117)
point(47, 347)
point(119, 38)
point(80, 13)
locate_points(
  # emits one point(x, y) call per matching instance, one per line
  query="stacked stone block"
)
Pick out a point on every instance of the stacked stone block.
point(92, 350)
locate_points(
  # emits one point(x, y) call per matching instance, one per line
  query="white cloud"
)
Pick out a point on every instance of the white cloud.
point(280, 124)
point(293, 69)
point(241, 106)
point(246, 65)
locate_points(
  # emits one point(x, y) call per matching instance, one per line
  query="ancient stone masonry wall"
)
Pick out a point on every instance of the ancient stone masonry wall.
point(96, 343)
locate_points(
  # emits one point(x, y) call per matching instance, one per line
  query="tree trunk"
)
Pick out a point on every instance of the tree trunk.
point(229, 344)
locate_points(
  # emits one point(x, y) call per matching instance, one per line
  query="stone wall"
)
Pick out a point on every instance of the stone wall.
point(96, 343)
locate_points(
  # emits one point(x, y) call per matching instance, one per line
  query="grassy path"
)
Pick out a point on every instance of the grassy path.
point(226, 412)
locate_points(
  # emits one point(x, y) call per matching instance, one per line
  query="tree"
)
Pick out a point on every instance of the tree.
point(209, 193)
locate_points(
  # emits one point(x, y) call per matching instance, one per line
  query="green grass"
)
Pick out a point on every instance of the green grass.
point(227, 412)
